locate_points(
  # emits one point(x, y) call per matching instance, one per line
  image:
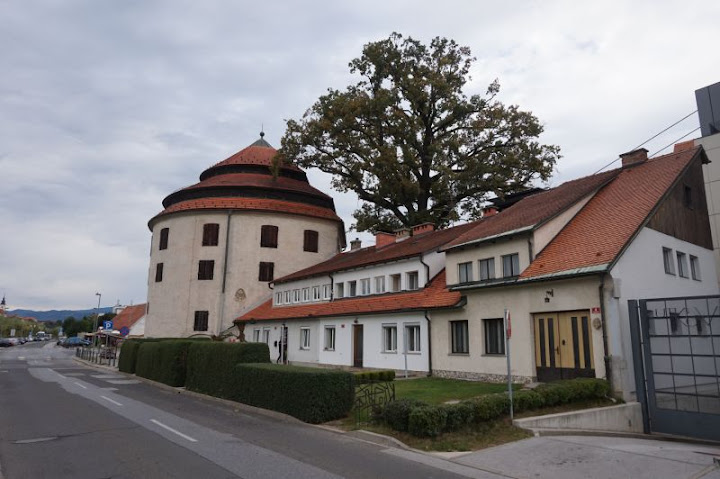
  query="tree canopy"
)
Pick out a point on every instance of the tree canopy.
point(411, 144)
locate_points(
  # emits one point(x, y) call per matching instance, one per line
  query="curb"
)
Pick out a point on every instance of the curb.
point(547, 432)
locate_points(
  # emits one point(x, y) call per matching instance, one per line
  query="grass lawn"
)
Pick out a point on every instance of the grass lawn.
point(439, 390)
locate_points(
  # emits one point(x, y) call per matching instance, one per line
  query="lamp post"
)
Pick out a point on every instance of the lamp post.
point(97, 315)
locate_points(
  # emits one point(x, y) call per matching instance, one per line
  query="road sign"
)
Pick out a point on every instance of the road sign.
point(107, 324)
point(124, 330)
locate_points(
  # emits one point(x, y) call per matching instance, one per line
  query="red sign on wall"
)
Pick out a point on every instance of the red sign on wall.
point(595, 310)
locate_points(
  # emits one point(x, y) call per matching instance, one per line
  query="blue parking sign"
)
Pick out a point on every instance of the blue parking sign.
point(107, 324)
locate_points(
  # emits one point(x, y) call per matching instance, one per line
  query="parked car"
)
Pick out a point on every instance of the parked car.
point(74, 342)
point(14, 341)
point(5, 343)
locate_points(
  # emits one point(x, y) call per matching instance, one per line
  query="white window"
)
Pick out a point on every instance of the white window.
point(330, 338)
point(352, 286)
point(695, 268)
point(316, 293)
point(296, 295)
point(379, 284)
point(286, 297)
point(465, 272)
point(306, 294)
point(412, 280)
point(389, 338)
point(412, 338)
point(278, 298)
point(340, 288)
point(487, 269)
point(682, 265)
point(511, 265)
point(327, 291)
point(395, 282)
point(266, 335)
point(256, 335)
point(304, 338)
point(365, 286)
point(668, 261)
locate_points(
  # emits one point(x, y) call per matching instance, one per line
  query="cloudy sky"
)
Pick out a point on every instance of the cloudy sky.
point(108, 106)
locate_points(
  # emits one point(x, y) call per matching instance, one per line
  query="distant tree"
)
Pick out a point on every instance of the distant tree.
point(411, 144)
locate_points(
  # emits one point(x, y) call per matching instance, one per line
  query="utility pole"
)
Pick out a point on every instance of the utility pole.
point(97, 315)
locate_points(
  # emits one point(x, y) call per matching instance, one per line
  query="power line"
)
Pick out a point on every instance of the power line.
point(655, 136)
point(671, 144)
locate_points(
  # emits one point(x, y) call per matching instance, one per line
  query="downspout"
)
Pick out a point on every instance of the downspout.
point(221, 319)
point(427, 271)
point(429, 324)
point(332, 287)
point(606, 356)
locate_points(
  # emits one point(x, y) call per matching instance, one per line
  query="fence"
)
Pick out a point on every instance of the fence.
point(370, 398)
point(105, 355)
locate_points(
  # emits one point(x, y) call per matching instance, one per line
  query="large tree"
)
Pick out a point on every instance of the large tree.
point(409, 141)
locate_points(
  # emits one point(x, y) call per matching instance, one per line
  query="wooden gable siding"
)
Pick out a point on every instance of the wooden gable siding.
point(675, 218)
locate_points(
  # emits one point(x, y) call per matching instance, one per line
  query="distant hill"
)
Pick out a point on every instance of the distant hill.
point(56, 315)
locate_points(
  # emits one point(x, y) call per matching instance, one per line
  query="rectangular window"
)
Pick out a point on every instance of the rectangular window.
point(687, 197)
point(206, 268)
point(511, 265)
point(256, 335)
point(158, 272)
point(268, 236)
point(695, 268)
point(329, 338)
point(306, 294)
point(327, 291)
point(266, 335)
point(304, 338)
point(379, 284)
point(487, 269)
point(352, 286)
point(278, 298)
point(310, 241)
point(296, 295)
point(340, 288)
point(412, 336)
point(316, 293)
point(682, 265)
point(164, 238)
point(201, 321)
point(365, 286)
point(395, 282)
point(465, 272)
point(389, 338)
point(459, 337)
point(287, 297)
point(267, 271)
point(211, 231)
point(412, 280)
point(494, 336)
point(668, 260)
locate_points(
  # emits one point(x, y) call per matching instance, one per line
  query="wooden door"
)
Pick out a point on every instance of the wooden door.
point(563, 345)
point(358, 345)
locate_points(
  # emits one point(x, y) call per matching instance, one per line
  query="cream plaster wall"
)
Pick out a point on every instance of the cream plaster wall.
point(491, 249)
point(173, 301)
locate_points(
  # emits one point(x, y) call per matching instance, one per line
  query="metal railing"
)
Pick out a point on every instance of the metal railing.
point(370, 398)
point(105, 355)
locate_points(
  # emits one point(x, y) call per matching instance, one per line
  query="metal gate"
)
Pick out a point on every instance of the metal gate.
point(676, 351)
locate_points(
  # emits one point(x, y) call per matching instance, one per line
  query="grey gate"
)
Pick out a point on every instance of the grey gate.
point(676, 351)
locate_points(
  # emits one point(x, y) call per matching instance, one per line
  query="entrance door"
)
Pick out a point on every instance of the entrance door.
point(563, 345)
point(358, 345)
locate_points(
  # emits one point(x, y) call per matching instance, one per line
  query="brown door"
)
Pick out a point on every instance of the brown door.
point(358, 345)
point(563, 345)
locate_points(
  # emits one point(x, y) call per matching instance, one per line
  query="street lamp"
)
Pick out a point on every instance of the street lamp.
point(97, 315)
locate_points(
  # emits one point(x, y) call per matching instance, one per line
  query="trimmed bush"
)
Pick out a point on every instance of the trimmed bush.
point(459, 416)
point(490, 406)
point(310, 394)
point(396, 413)
point(370, 376)
point(211, 365)
point(427, 421)
point(163, 361)
point(128, 356)
point(526, 400)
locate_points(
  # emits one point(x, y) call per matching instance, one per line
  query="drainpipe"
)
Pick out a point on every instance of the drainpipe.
point(221, 317)
point(429, 324)
point(427, 271)
point(332, 287)
point(606, 356)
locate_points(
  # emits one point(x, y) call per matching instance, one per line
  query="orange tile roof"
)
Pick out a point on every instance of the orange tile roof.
point(129, 316)
point(413, 246)
point(250, 180)
point(434, 296)
point(258, 204)
point(600, 231)
point(254, 155)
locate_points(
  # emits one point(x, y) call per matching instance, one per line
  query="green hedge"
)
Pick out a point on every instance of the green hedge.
point(370, 376)
point(211, 365)
point(163, 361)
point(129, 349)
point(310, 394)
point(425, 420)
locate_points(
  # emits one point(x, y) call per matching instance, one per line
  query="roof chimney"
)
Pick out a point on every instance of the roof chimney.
point(635, 157)
point(489, 211)
point(423, 228)
point(383, 239)
point(402, 234)
point(684, 146)
point(355, 244)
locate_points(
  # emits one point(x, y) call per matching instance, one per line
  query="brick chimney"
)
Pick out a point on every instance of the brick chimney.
point(489, 211)
point(383, 239)
point(423, 228)
point(355, 244)
point(402, 234)
point(684, 146)
point(633, 158)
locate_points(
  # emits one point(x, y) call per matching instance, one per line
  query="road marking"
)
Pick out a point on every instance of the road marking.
point(39, 439)
point(111, 400)
point(84, 387)
point(173, 430)
point(3, 371)
point(21, 358)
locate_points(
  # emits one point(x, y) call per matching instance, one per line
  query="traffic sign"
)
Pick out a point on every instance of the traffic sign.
point(124, 331)
point(107, 324)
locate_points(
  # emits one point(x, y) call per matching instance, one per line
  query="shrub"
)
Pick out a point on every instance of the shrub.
point(490, 406)
point(128, 356)
point(396, 413)
point(427, 421)
point(563, 392)
point(526, 400)
point(310, 394)
point(369, 376)
point(459, 416)
point(163, 361)
point(210, 365)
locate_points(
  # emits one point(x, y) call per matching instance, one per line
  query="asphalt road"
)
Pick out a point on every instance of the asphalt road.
point(61, 419)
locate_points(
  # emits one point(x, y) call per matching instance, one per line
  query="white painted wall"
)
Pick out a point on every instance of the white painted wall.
point(385, 269)
point(491, 249)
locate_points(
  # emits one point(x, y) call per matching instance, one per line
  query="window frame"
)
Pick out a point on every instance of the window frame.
point(682, 264)
point(159, 267)
point(379, 284)
point(514, 263)
point(460, 344)
point(311, 241)
point(465, 272)
point(202, 318)
point(266, 271)
point(494, 336)
point(305, 338)
point(211, 234)
point(164, 238)
point(389, 338)
point(413, 331)
point(315, 293)
point(306, 294)
point(287, 297)
point(327, 291)
point(352, 288)
point(266, 335)
point(395, 283)
point(668, 260)
point(296, 295)
point(695, 268)
point(412, 278)
point(365, 287)
point(278, 298)
point(256, 335)
point(206, 270)
point(487, 266)
point(329, 336)
point(340, 287)
point(269, 236)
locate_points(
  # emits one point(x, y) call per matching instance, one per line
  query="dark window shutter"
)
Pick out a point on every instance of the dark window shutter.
point(267, 271)
point(201, 321)
point(310, 242)
point(211, 231)
point(159, 272)
point(206, 269)
point(269, 236)
point(164, 238)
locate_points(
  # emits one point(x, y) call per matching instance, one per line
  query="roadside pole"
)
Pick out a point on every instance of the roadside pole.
point(508, 333)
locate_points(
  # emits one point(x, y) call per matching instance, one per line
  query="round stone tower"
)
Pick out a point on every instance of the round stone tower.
point(218, 243)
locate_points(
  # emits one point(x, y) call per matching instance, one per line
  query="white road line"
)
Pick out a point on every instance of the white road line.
point(84, 387)
point(111, 400)
point(173, 430)
point(21, 358)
